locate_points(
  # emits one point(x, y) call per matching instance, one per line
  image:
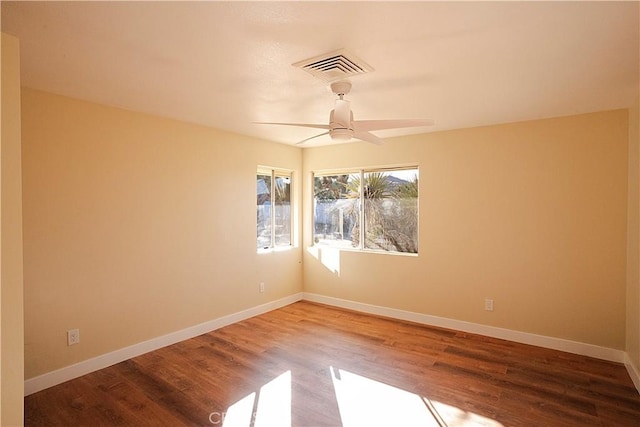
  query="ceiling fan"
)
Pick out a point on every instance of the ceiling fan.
point(342, 127)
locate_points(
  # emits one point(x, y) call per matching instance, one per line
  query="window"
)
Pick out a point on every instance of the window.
point(273, 202)
point(387, 205)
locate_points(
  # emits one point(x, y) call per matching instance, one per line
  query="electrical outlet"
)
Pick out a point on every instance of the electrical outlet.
point(261, 286)
point(488, 304)
point(73, 336)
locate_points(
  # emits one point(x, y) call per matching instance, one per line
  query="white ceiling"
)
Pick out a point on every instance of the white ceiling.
point(228, 64)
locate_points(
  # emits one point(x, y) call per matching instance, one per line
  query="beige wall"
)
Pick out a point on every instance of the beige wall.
point(11, 308)
point(137, 226)
point(633, 237)
point(633, 241)
point(531, 214)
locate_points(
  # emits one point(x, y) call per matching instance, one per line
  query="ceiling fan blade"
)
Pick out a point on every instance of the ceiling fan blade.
point(368, 137)
point(342, 113)
point(315, 136)
point(304, 125)
point(367, 125)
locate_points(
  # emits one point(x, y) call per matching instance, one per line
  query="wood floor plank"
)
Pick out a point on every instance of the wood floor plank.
point(320, 364)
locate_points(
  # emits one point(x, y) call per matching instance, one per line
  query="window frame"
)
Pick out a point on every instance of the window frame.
point(361, 172)
point(275, 173)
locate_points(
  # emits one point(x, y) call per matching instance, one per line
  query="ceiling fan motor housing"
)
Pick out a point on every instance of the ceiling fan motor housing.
point(340, 131)
point(341, 134)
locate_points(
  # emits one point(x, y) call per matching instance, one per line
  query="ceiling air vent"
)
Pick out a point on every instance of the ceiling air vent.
point(334, 66)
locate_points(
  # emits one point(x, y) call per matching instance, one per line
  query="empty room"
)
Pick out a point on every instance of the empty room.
point(305, 213)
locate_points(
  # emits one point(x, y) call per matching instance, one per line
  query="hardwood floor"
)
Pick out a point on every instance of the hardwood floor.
point(312, 365)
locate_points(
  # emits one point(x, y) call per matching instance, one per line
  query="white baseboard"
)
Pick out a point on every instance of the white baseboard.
point(41, 382)
point(67, 373)
point(476, 328)
point(633, 372)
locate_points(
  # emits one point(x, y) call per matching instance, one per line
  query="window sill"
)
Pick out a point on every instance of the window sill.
point(364, 251)
point(276, 249)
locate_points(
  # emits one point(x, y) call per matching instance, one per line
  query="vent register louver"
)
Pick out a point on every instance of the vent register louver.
point(334, 66)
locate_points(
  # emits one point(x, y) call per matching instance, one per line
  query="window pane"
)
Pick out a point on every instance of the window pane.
point(282, 205)
point(336, 210)
point(264, 211)
point(391, 210)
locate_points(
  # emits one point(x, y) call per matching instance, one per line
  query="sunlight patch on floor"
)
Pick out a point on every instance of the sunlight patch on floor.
point(240, 413)
point(274, 403)
point(270, 407)
point(456, 417)
point(363, 401)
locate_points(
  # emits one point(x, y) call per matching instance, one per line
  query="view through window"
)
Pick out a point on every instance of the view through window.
point(384, 200)
point(273, 214)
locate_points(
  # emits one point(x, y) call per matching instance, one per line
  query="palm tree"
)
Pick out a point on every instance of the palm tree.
point(375, 190)
point(390, 212)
